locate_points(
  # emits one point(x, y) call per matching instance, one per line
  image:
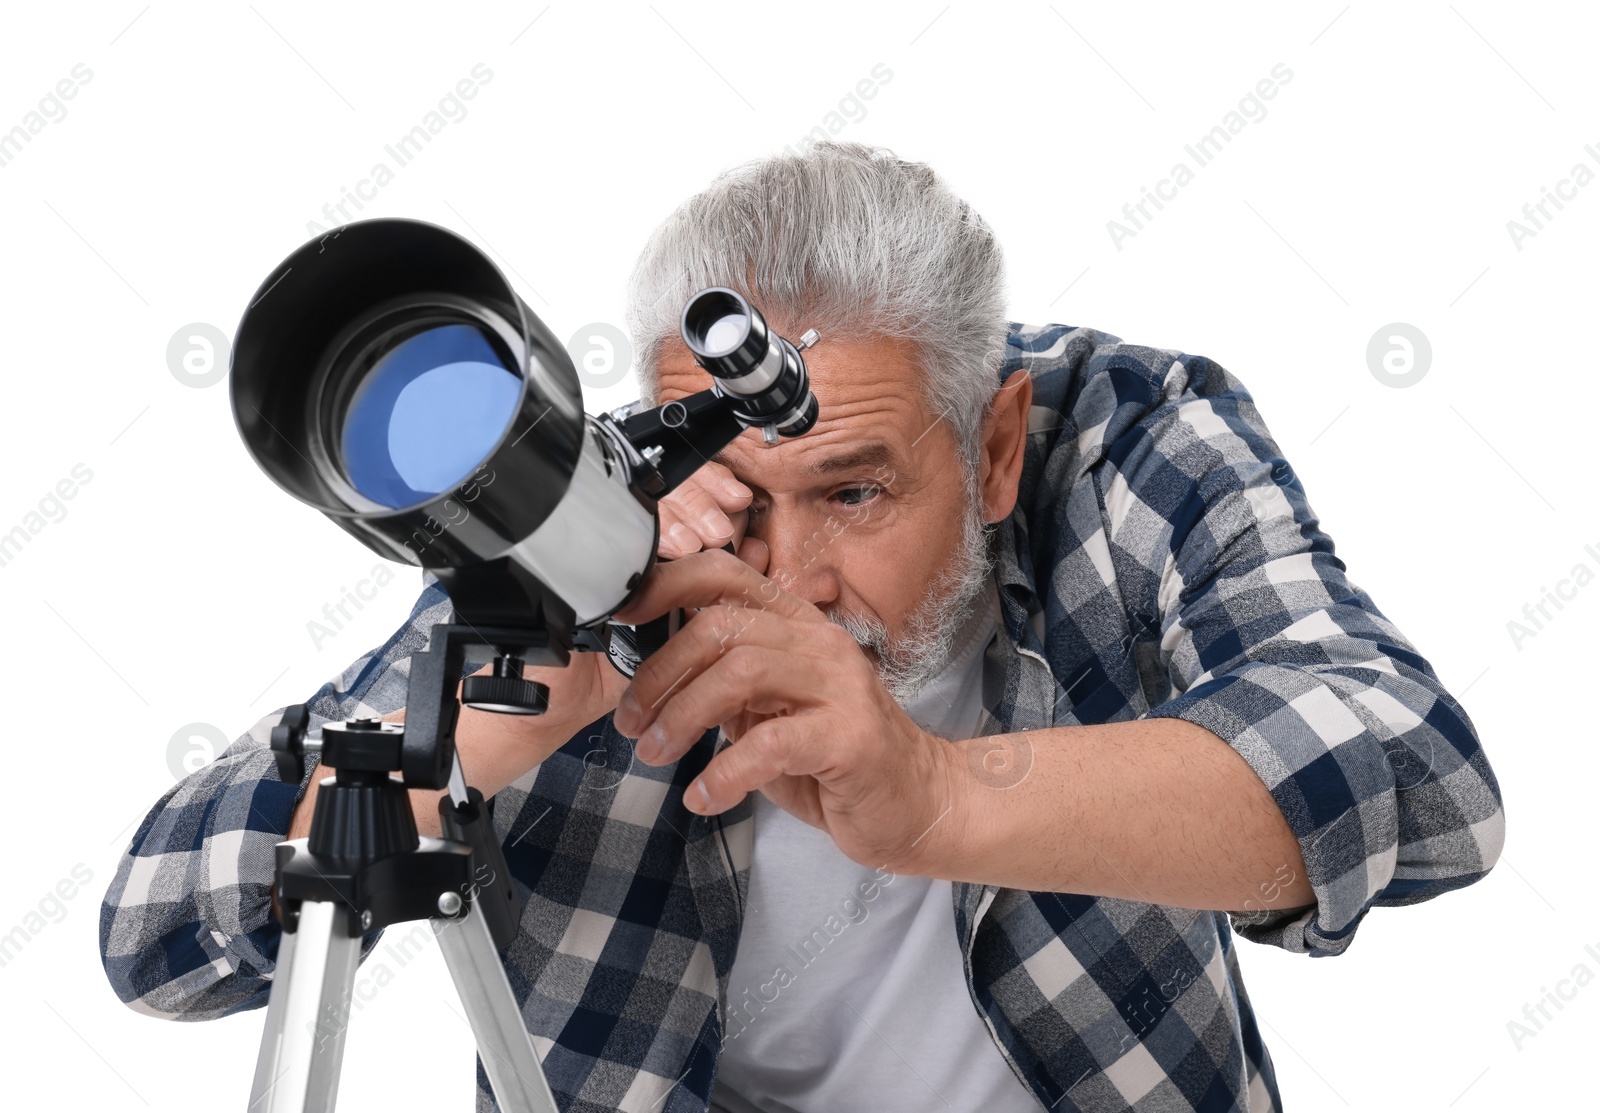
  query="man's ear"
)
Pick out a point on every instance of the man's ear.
point(1003, 440)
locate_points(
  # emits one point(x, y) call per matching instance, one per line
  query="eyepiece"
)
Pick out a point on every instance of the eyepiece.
point(730, 338)
point(716, 323)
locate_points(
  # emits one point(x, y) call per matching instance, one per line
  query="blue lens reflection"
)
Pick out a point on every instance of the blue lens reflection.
point(426, 415)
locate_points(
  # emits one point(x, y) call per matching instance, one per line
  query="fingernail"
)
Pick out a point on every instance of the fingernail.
point(736, 489)
point(627, 712)
point(697, 799)
point(682, 538)
point(652, 744)
point(715, 522)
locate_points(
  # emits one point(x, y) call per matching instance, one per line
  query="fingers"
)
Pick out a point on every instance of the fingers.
point(754, 552)
point(706, 578)
point(729, 493)
point(702, 512)
point(702, 640)
point(770, 750)
point(748, 677)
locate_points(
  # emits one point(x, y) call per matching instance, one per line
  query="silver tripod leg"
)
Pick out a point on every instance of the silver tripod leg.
point(497, 1025)
point(308, 1010)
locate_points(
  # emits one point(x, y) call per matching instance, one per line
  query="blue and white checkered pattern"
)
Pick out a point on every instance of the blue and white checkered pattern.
point(1162, 560)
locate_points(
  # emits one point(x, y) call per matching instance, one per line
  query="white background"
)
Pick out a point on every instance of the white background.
point(1377, 189)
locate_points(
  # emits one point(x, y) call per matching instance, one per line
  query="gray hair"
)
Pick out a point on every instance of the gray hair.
point(848, 239)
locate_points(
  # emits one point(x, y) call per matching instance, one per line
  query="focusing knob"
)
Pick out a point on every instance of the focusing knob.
point(628, 646)
point(289, 743)
point(508, 695)
point(622, 648)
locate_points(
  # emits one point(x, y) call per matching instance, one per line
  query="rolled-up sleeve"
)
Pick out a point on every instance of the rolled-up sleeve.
point(186, 927)
point(1271, 647)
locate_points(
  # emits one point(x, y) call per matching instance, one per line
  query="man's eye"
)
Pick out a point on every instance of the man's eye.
point(855, 496)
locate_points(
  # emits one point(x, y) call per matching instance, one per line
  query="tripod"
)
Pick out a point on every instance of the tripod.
point(364, 867)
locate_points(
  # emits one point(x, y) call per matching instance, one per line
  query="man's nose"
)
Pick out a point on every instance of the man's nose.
point(800, 556)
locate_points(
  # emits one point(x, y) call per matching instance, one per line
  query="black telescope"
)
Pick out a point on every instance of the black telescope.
point(388, 375)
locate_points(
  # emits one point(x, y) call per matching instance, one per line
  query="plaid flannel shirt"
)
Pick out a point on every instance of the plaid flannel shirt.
point(1162, 560)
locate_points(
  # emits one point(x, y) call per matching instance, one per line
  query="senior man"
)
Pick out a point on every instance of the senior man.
point(1034, 681)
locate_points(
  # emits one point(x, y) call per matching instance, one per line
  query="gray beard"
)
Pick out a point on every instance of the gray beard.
point(907, 663)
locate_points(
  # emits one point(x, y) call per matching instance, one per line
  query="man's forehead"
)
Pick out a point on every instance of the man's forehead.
point(865, 456)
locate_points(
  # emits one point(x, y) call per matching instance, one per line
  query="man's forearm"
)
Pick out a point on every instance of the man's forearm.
point(1155, 810)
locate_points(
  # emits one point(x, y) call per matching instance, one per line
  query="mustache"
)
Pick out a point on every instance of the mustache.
point(868, 631)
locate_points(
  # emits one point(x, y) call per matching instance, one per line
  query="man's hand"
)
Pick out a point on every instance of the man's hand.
point(705, 511)
point(812, 725)
point(708, 508)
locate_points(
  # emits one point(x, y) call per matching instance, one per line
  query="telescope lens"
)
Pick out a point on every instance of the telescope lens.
point(426, 414)
point(717, 323)
point(726, 333)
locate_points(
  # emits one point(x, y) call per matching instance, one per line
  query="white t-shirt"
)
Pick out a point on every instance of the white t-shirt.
point(847, 991)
